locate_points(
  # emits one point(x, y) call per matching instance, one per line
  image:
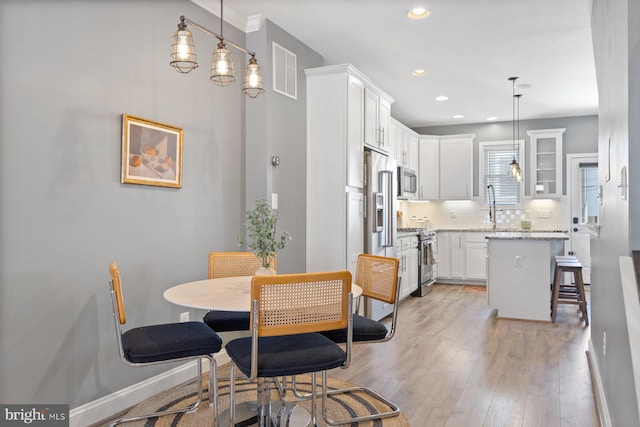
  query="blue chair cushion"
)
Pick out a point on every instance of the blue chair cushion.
point(225, 321)
point(364, 329)
point(287, 355)
point(169, 341)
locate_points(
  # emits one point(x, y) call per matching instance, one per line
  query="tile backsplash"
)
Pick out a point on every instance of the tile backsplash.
point(544, 214)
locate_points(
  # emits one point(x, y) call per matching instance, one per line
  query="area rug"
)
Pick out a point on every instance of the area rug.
point(474, 288)
point(339, 406)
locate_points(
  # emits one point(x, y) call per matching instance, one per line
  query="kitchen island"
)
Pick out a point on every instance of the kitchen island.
point(520, 271)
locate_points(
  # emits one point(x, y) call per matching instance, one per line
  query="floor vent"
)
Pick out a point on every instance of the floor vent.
point(473, 288)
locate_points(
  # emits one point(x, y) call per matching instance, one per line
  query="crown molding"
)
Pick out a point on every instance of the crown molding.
point(241, 22)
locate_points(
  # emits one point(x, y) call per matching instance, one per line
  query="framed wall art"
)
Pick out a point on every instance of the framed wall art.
point(151, 153)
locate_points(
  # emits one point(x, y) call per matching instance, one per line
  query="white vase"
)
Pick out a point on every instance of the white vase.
point(265, 271)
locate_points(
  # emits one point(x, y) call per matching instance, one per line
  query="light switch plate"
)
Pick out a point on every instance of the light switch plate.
point(274, 200)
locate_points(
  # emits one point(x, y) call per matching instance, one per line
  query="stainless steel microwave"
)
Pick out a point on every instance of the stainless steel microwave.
point(407, 183)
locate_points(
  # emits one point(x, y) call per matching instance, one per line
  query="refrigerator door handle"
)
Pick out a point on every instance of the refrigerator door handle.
point(386, 185)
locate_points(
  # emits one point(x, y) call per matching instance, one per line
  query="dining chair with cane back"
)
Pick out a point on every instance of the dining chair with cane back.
point(378, 277)
point(288, 312)
point(165, 343)
point(231, 264)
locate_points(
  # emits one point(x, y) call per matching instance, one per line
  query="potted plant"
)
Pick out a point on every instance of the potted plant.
point(261, 235)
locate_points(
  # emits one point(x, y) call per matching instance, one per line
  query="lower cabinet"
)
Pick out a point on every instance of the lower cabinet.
point(476, 256)
point(462, 255)
point(407, 254)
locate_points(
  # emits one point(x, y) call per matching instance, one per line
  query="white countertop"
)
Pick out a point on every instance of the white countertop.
point(501, 230)
point(527, 235)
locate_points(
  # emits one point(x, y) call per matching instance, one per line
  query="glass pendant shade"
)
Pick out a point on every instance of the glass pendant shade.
point(514, 170)
point(222, 73)
point(252, 86)
point(183, 55)
point(184, 59)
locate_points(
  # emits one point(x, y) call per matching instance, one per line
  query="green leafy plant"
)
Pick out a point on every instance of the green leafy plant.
point(261, 233)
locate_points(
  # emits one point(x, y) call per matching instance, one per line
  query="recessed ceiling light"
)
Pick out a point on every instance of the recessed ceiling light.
point(420, 72)
point(441, 98)
point(458, 116)
point(492, 119)
point(418, 13)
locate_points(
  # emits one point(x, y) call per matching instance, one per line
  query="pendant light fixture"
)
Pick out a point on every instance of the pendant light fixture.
point(514, 169)
point(184, 58)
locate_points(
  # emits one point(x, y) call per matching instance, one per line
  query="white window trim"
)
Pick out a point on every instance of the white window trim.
point(521, 156)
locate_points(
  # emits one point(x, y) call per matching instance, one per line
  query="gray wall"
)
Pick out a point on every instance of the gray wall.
point(581, 136)
point(616, 33)
point(276, 125)
point(69, 70)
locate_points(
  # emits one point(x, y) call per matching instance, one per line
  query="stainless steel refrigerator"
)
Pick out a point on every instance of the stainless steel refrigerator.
point(381, 189)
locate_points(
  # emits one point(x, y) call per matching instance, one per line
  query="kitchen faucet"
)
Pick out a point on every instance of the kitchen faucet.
point(492, 206)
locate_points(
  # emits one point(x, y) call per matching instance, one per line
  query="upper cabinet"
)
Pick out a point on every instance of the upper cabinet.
point(446, 167)
point(546, 163)
point(456, 167)
point(414, 156)
point(429, 161)
point(406, 146)
point(377, 117)
point(336, 97)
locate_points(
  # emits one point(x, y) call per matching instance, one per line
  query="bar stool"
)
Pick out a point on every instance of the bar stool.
point(572, 293)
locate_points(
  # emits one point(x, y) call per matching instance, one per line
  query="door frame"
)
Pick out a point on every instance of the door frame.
point(569, 182)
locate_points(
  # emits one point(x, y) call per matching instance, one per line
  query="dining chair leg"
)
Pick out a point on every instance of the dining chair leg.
point(195, 408)
point(213, 388)
point(232, 392)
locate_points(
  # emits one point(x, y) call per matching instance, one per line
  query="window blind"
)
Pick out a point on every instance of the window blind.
point(497, 160)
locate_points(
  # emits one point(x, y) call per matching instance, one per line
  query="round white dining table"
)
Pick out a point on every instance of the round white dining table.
point(228, 293)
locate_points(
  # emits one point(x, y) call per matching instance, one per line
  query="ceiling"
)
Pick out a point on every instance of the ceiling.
point(469, 47)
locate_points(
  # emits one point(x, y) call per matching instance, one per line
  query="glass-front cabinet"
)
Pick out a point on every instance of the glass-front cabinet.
point(546, 163)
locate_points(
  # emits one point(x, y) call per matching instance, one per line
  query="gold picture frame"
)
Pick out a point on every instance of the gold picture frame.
point(151, 153)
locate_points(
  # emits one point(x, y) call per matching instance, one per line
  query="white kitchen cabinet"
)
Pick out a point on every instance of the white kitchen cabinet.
point(445, 166)
point(476, 256)
point(429, 168)
point(457, 254)
point(414, 156)
point(355, 229)
point(444, 255)
point(393, 130)
point(355, 132)
point(377, 116)
point(402, 144)
point(407, 254)
point(413, 263)
point(546, 163)
point(335, 144)
point(462, 255)
point(456, 167)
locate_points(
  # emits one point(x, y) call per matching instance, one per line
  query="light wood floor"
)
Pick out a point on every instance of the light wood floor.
point(453, 363)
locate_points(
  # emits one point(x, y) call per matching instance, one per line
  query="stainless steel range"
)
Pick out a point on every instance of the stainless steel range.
point(426, 260)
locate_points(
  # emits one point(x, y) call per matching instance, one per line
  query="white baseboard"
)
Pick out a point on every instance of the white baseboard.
point(114, 403)
point(598, 387)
